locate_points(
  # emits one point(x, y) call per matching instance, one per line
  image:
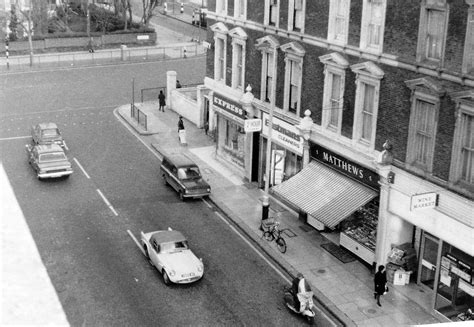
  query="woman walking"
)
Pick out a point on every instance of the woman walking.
point(380, 281)
point(162, 101)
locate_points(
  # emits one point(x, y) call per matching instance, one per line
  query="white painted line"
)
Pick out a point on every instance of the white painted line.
point(207, 203)
point(65, 146)
point(107, 202)
point(136, 241)
point(82, 168)
point(15, 138)
point(254, 248)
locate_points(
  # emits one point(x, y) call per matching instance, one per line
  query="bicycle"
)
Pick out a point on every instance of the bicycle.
point(273, 232)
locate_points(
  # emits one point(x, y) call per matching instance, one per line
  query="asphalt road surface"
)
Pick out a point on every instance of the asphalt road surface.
point(84, 226)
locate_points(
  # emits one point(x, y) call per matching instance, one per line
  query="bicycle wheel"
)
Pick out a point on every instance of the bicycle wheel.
point(268, 235)
point(281, 244)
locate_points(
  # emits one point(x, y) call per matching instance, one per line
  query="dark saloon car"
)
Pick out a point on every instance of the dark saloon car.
point(184, 176)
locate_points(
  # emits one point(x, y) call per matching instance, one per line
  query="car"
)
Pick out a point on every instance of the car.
point(182, 174)
point(169, 252)
point(48, 160)
point(47, 133)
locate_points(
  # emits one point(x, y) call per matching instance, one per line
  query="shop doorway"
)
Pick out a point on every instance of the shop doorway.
point(428, 260)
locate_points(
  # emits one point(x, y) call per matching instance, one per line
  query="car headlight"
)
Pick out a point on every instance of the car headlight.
point(200, 268)
point(186, 191)
point(172, 273)
point(209, 190)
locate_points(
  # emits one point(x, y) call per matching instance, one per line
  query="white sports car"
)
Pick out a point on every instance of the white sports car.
point(169, 252)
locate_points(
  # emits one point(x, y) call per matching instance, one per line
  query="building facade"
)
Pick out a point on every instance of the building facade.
point(373, 123)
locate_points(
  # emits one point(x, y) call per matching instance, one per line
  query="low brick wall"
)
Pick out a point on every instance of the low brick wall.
point(83, 41)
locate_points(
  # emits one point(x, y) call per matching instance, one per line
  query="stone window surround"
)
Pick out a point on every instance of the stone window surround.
point(221, 4)
point(294, 52)
point(332, 22)
point(291, 9)
point(468, 57)
point(267, 45)
point(367, 73)
point(334, 64)
point(364, 33)
point(237, 9)
point(220, 32)
point(266, 18)
point(239, 37)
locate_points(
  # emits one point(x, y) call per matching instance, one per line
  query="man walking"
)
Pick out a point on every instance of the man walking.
point(181, 131)
point(162, 101)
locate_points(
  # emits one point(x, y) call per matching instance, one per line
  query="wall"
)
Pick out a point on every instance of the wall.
point(183, 101)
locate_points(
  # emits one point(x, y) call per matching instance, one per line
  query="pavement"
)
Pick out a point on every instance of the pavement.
point(345, 289)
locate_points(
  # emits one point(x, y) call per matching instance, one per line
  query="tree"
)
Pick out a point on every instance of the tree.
point(121, 9)
point(13, 25)
point(148, 8)
point(28, 29)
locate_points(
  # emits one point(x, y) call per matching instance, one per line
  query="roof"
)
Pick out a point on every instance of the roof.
point(43, 148)
point(47, 125)
point(167, 236)
point(180, 160)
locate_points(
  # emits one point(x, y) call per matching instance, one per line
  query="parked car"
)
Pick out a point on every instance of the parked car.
point(49, 161)
point(47, 133)
point(184, 176)
point(169, 252)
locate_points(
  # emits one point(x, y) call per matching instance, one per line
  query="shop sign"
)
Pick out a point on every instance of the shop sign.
point(284, 134)
point(252, 125)
point(228, 106)
point(423, 201)
point(344, 165)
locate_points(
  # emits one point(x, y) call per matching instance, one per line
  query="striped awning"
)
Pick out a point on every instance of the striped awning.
point(325, 194)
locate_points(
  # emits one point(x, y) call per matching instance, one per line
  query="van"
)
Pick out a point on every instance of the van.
point(182, 174)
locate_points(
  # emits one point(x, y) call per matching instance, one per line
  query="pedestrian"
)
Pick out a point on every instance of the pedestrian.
point(380, 283)
point(206, 127)
point(181, 131)
point(162, 101)
point(178, 85)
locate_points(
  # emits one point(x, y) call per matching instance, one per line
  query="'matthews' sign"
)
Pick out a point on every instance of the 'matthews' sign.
point(228, 106)
point(344, 165)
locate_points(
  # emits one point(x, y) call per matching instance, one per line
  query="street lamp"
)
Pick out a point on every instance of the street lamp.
point(266, 200)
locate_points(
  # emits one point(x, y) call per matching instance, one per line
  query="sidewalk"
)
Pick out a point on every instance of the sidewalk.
point(346, 289)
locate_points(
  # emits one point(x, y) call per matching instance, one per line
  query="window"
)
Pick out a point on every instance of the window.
point(373, 20)
point(240, 9)
point(468, 60)
point(221, 7)
point(239, 38)
point(462, 160)
point(220, 50)
point(338, 21)
point(432, 31)
point(366, 103)
point(423, 123)
point(268, 45)
point(296, 12)
point(293, 76)
point(272, 12)
point(334, 71)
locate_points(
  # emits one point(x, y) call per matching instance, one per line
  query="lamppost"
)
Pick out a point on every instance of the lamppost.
point(266, 199)
point(305, 131)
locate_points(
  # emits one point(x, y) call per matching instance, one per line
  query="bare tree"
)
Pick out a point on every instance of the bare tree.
point(26, 13)
point(148, 8)
point(121, 9)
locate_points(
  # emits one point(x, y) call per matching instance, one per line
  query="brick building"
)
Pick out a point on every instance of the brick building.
point(373, 123)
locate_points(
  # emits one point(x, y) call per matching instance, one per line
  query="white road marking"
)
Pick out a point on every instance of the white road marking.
point(82, 168)
point(107, 202)
point(136, 241)
point(15, 138)
point(207, 203)
point(254, 248)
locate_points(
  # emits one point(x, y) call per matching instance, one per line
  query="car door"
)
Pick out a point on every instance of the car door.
point(155, 255)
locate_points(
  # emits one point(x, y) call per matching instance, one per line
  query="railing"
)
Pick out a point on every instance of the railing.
point(101, 57)
point(154, 91)
point(139, 116)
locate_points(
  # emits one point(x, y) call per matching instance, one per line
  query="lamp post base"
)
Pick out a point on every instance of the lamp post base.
point(265, 207)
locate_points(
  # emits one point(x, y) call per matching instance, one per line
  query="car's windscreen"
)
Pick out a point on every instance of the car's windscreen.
point(189, 173)
point(174, 246)
point(52, 156)
point(50, 132)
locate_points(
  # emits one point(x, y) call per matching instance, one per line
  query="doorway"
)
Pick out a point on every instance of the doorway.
point(428, 260)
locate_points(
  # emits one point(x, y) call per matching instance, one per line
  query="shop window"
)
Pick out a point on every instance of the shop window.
point(462, 159)
point(366, 104)
point(334, 81)
point(293, 77)
point(234, 141)
point(296, 15)
point(432, 31)
point(373, 20)
point(455, 293)
point(240, 9)
point(239, 38)
point(272, 12)
point(338, 21)
point(468, 60)
point(284, 164)
point(220, 50)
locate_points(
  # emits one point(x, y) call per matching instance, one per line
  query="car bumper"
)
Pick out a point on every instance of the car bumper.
point(196, 195)
point(55, 174)
point(186, 280)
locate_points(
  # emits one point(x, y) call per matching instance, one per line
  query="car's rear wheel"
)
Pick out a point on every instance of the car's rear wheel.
point(165, 181)
point(166, 279)
point(147, 255)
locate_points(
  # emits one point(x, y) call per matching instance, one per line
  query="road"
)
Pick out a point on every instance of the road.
point(83, 225)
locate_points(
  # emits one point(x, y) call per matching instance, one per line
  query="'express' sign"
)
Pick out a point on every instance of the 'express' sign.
point(228, 105)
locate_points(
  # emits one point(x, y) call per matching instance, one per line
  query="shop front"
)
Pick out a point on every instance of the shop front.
point(339, 197)
point(286, 152)
point(440, 227)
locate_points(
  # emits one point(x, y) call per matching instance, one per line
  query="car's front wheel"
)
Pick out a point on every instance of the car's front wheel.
point(166, 278)
point(181, 196)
